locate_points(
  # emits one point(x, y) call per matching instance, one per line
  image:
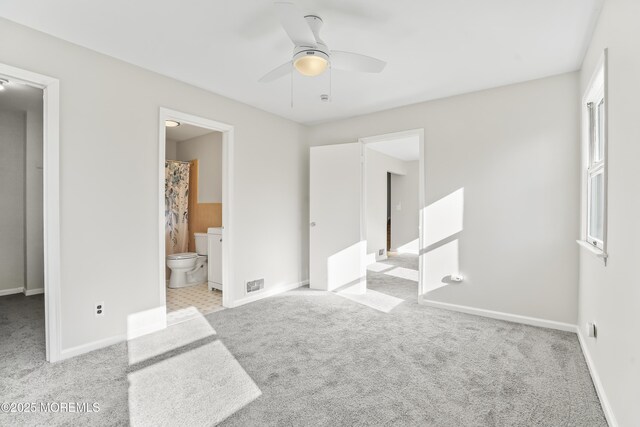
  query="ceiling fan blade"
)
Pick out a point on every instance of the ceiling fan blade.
point(276, 73)
point(350, 61)
point(292, 19)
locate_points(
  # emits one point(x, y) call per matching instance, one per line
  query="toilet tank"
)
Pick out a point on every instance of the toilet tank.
point(201, 243)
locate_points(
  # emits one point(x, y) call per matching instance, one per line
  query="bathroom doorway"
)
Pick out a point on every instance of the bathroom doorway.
point(194, 215)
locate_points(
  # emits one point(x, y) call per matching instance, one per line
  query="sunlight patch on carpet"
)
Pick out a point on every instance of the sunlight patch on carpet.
point(404, 273)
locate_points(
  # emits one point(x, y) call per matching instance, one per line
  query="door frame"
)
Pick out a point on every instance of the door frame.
point(421, 186)
point(51, 199)
point(227, 199)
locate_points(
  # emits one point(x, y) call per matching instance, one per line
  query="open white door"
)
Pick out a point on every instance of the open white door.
point(337, 249)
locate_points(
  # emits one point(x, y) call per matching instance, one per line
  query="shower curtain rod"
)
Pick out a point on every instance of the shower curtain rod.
point(178, 161)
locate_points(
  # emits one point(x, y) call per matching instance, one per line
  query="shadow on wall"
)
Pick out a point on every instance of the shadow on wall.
point(442, 225)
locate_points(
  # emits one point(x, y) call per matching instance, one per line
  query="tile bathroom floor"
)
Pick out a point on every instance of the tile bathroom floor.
point(183, 303)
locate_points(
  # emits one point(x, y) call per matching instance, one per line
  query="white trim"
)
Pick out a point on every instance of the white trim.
point(604, 401)
point(593, 249)
point(51, 204)
point(91, 346)
point(421, 187)
point(265, 293)
point(526, 320)
point(162, 324)
point(228, 294)
point(11, 291)
point(29, 292)
point(594, 88)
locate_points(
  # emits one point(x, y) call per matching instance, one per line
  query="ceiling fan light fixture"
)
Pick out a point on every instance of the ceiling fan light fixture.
point(311, 63)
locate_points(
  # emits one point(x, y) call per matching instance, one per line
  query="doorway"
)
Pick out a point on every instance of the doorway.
point(30, 153)
point(345, 241)
point(195, 221)
point(393, 182)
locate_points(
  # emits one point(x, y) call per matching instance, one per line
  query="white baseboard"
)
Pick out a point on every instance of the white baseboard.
point(267, 293)
point(11, 291)
point(604, 402)
point(533, 321)
point(138, 324)
point(152, 320)
point(94, 345)
point(29, 292)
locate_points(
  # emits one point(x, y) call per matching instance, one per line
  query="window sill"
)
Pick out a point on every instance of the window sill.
point(594, 250)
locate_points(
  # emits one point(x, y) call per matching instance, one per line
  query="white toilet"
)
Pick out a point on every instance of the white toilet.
point(189, 268)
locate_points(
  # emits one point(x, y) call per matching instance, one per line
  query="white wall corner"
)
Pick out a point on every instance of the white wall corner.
point(604, 401)
point(29, 292)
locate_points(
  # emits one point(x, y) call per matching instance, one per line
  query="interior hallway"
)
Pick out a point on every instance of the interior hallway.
point(310, 358)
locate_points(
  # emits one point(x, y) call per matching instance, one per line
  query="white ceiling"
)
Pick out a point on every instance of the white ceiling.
point(434, 48)
point(185, 131)
point(407, 148)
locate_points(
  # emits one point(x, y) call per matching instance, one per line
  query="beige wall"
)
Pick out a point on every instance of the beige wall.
point(514, 150)
point(610, 295)
point(171, 149)
point(208, 150)
point(109, 175)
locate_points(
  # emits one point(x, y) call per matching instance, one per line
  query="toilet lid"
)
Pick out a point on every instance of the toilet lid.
point(185, 255)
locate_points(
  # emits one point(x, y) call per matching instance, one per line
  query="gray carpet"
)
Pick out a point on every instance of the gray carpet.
point(309, 358)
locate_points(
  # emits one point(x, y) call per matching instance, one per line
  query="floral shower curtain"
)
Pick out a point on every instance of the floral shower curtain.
point(176, 206)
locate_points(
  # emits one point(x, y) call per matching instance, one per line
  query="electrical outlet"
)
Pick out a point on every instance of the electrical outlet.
point(380, 252)
point(99, 309)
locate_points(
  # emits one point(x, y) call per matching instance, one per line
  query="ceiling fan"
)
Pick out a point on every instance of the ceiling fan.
point(311, 56)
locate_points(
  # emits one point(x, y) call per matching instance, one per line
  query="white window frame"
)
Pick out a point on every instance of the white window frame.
point(595, 94)
point(595, 166)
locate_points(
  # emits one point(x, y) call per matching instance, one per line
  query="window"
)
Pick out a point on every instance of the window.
point(596, 142)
